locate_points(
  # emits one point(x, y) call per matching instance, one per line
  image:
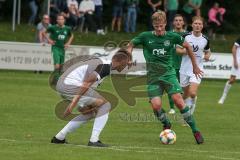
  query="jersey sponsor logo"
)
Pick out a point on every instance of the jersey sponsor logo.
point(167, 43)
point(194, 47)
point(61, 37)
point(150, 42)
point(158, 52)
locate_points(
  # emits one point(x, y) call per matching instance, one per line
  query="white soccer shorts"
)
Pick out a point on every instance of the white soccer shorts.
point(235, 72)
point(186, 80)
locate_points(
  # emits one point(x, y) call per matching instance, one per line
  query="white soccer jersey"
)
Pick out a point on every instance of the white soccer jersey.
point(237, 44)
point(234, 71)
point(77, 74)
point(199, 46)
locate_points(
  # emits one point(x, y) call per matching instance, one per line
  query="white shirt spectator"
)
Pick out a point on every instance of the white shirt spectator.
point(72, 2)
point(87, 6)
point(73, 7)
point(98, 2)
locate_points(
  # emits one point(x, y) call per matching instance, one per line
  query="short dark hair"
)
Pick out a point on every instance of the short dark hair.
point(122, 54)
point(178, 15)
point(60, 15)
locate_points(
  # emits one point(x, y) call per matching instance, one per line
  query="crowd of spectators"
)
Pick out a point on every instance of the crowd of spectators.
point(87, 15)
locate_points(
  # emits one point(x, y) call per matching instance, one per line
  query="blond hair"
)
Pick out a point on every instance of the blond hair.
point(198, 18)
point(159, 16)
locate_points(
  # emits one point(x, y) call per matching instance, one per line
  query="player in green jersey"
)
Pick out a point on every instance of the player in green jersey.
point(178, 27)
point(157, 50)
point(60, 38)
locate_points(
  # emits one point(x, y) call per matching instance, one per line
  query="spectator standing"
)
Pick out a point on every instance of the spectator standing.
point(216, 21)
point(41, 28)
point(34, 9)
point(57, 7)
point(117, 14)
point(171, 8)
point(87, 7)
point(73, 14)
point(98, 16)
point(191, 9)
point(54, 11)
point(130, 22)
point(1, 6)
point(154, 5)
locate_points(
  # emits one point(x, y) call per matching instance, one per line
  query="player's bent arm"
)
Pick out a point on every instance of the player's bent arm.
point(180, 50)
point(234, 53)
point(207, 55)
point(82, 90)
point(196, 69)
point(190, 53)
point(44, 35)
point(69, 40)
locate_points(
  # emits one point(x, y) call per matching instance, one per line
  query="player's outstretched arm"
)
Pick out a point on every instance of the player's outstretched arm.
point(196, 69)
point(69, 41)
point(129, 49)
point(83, 88)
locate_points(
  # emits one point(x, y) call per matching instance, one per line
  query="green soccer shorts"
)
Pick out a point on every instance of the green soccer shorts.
point(58, 55)
point(157, 86)
point(177, 74)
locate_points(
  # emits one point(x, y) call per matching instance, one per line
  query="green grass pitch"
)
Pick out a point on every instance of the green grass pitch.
point(28, 122)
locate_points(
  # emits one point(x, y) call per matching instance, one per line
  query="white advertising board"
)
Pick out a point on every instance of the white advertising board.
point(33, 56)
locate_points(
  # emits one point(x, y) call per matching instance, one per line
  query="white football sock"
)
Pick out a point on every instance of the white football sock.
point(100, 121)
point(226, 89)
point(188, 102)
point(193, 101)
point(73, 125)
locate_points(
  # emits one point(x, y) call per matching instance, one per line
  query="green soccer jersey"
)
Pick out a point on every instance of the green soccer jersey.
point(59, 34)
point(158, 52)
point(177, 59)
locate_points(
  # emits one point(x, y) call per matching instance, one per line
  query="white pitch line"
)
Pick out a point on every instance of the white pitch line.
point(24, 78)
point(223, 158)
point(177, 149)
point(138, 148)
point(10, 140)
point(130, 149)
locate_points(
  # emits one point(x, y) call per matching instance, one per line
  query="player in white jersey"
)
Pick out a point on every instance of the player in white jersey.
point(77, 85)
point(234, 72)
point(201, 49)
